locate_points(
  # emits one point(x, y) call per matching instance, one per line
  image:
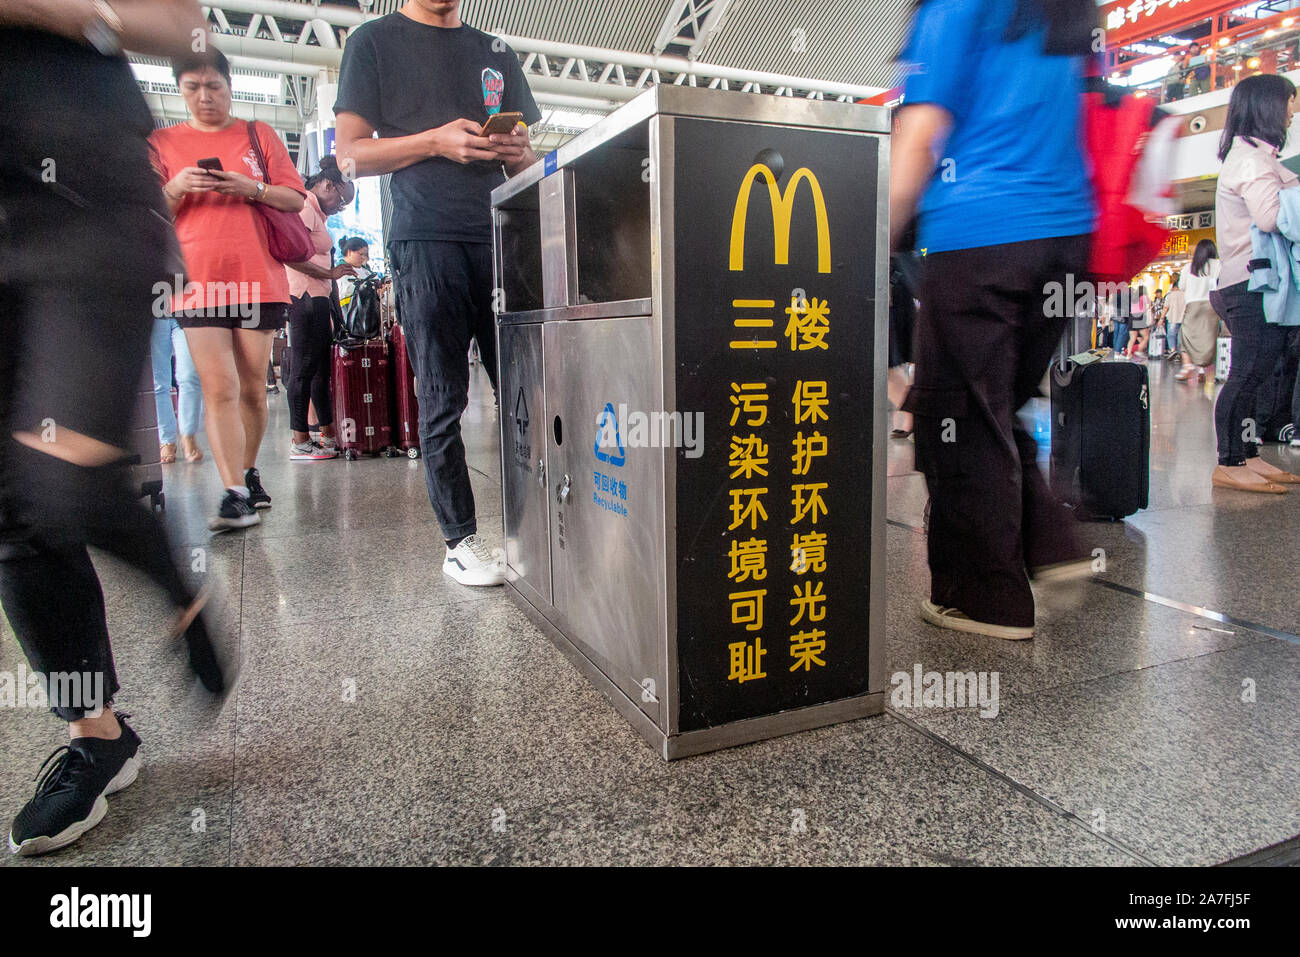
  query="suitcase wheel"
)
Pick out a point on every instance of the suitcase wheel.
point(412, 453)
point(350, 455)
point(391, 453)
point(158, 502)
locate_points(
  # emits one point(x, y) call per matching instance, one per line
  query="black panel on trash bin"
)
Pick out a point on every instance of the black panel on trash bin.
point(756, 638)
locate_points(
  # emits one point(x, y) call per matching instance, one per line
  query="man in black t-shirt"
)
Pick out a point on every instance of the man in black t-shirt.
point(426, 82)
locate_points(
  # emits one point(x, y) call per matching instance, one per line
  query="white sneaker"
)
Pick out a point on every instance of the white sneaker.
point(472, 562)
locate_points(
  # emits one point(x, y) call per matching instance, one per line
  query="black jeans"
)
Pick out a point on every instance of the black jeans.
point(310, 335)
point(1256, 346)
point(984, 338)
point(444, 296)
point(75, 291)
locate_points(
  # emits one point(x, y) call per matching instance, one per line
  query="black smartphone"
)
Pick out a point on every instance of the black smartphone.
point(209, 164)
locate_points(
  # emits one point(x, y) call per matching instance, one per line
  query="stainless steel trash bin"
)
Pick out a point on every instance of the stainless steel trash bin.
point(692, 337)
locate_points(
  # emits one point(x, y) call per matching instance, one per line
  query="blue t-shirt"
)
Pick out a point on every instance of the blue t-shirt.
point(1013, 167)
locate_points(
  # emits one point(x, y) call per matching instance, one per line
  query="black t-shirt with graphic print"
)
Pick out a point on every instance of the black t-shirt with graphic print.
point(406, 77)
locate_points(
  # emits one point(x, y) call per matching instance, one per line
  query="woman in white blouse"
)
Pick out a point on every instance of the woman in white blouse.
point(1250, 182)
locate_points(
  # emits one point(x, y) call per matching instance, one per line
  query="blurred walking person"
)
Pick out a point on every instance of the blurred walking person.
point(80, 254)
point(1015, 219)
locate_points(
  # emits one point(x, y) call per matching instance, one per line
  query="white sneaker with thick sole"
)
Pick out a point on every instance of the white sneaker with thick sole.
point(955, 620)
point(472, 562)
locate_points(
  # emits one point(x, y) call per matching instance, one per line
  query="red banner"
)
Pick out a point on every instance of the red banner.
point(1127, 21)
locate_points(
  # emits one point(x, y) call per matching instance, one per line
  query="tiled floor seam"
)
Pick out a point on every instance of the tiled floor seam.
point(1200, 611)
point(1195, 610)
point(1024, 789)
point(1005, 696)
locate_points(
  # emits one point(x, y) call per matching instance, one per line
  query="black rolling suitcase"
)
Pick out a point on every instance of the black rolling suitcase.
point(1101, 436)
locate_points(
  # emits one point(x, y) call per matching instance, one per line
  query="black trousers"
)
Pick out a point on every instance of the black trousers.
point(444, 296)
point(310, 335)
point(1256, 346)
point(984, 338)
point(76, 287)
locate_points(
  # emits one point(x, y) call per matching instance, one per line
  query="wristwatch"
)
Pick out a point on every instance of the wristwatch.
point(261, 191)
point(104, 31)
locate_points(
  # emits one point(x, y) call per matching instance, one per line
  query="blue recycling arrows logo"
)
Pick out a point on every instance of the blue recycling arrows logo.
point(607, 418)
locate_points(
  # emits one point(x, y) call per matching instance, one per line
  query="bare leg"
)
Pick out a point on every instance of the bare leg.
point(214, 357)
point(896, 386)
point(252, 351)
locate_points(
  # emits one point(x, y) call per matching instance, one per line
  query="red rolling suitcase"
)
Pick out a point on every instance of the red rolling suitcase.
point(360, 373)
point(406, 408)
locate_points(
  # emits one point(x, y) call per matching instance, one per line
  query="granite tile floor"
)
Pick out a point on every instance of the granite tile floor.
point(387, 715)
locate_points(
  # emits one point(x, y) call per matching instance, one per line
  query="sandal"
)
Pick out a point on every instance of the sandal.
point(167, 453)
point(190, 449)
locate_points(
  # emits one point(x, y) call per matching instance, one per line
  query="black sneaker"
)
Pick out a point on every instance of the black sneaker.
point(70, 791)
point(256, 494)
point(235, 512)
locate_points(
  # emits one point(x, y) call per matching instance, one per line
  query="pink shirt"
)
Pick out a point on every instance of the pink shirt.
point(300, 283)
point(1249, 182)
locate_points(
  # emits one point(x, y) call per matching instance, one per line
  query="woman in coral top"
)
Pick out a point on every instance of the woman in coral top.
point(236, 295)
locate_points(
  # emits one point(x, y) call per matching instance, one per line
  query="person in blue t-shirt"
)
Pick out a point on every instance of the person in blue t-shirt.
point(987, 154)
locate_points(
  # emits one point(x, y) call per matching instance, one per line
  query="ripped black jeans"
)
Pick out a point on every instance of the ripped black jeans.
point(76, 303)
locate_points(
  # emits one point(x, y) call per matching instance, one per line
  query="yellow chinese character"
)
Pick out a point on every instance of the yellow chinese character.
point(808, 553)
point(748, 560)
point(753, 323)
point(750, 398)
point(809, 322)
point(809, 402)
point(808, 599)
point(805, 450)
point(752, 510)
point(748, 455)
point(810, 506)
point(805, 647)
point(747, 661)
point(747, 609)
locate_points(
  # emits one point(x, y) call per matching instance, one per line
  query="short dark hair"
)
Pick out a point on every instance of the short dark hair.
point(198, 62)
point(351, 244)
point(1257, 110)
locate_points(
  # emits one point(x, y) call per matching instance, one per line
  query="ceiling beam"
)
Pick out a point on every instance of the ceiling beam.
point(689, 25)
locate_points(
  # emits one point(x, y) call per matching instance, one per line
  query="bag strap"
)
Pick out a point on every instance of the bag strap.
point(250, 125)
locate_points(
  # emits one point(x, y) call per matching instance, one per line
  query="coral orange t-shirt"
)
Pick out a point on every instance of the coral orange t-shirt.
point(223, 237)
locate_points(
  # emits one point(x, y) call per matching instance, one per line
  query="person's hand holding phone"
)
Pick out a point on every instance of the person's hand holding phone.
point(513, 146)
point(341, 270)
point(230, 183)
point(460, 140)
point(192, 180)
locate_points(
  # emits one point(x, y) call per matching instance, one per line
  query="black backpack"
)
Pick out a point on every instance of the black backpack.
point(362, 318)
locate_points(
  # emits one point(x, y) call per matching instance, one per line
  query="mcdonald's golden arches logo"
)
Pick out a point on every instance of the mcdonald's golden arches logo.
point(782, 211)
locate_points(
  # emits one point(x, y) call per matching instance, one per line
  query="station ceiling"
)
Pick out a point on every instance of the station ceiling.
point(849, 41)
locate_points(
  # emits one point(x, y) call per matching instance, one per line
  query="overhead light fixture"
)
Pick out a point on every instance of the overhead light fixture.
point(1223, 41)
point(1269, 33)
point(1253, 63)
point(1288, 21)
point(1236, 66)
